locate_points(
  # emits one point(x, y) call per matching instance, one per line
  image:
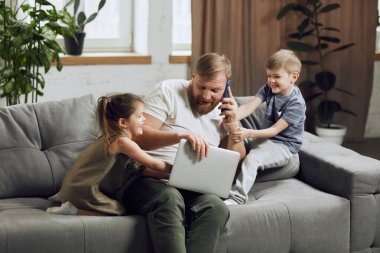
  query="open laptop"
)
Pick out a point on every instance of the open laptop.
point(213, 174)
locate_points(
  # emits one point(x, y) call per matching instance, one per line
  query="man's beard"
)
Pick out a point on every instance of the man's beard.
point(201, 108)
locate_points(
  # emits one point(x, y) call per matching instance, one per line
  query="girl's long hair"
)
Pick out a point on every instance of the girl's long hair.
point(110, 109)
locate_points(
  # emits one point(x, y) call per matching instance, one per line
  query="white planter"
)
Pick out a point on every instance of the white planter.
point(334, 135)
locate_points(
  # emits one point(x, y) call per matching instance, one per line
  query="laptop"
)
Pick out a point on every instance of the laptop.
point(213, 174)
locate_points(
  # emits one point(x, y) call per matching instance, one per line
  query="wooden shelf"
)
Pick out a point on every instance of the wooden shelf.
point(105, 59)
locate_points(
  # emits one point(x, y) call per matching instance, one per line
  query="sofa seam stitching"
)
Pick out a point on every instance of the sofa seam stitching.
point(42, 149)
point(84, 234)
point(291, 226)
point(6, 234)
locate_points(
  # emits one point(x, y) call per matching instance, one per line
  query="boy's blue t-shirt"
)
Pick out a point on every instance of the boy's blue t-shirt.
point(290, 108)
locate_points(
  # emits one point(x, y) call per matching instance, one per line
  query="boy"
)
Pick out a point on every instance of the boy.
point(282, 126)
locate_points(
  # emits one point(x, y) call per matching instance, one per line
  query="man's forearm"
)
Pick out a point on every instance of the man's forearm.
point(236, 146)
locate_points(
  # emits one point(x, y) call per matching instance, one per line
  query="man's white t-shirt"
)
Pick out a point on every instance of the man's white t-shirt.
point(169, 102)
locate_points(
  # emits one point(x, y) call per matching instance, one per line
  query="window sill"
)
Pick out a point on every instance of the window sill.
point(105, 59)
point(175, 59)
point(180, 56)
point(377, 56)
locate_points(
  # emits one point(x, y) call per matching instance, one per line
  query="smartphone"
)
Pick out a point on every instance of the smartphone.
point(225, 94)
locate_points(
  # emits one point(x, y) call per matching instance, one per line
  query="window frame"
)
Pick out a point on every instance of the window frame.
point(122, 44)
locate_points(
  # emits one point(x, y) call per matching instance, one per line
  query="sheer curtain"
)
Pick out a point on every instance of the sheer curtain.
point(247, 32)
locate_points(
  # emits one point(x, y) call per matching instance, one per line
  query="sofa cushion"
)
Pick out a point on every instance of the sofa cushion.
point(289, 216)
point(39, 142)
point(26, 227)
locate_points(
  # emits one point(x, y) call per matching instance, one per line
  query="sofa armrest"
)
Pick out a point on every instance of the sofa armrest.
point(343, 172)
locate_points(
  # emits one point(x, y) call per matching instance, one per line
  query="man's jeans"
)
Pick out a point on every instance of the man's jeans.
point(179, 221)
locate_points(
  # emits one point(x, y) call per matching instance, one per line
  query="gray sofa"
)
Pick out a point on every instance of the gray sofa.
point(332, 204)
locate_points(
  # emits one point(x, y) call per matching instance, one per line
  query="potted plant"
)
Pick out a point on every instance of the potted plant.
point(27, 43)
point(78, 21)
point(319, 42)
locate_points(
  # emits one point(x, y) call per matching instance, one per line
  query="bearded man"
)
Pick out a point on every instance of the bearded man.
point(179, 220)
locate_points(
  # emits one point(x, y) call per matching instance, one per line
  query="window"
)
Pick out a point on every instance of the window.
point(378, 28)
point(182, 25)
point(111, 30)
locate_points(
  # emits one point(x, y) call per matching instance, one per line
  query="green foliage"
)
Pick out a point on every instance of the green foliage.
point(28, 43)
point(315, 38)
point(80, 20)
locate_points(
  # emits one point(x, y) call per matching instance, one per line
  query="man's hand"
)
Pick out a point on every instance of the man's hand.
point(198, 143)
point(230, 127)
point(231, 108)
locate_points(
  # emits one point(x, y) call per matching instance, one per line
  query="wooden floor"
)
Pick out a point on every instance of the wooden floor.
point(368, 147)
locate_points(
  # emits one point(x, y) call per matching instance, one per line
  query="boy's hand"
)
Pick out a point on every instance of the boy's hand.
point(240, 134)
point(230, 127)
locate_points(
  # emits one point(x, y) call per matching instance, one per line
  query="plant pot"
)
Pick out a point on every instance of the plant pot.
point(74, 45)
point(335, 134)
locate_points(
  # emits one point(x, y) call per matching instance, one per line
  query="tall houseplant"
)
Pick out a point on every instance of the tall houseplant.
point(78, 21)
point(27, 43)
point(319, 42)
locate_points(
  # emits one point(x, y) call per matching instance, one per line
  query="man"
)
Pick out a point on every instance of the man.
point(179, 220)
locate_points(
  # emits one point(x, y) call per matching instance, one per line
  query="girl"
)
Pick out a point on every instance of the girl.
point(103, 172)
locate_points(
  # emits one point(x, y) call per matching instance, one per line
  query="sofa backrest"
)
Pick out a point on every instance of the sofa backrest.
point(39, 142)
point(254, 120)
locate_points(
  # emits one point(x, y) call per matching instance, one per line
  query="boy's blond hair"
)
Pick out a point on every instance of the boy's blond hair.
point(286, 59)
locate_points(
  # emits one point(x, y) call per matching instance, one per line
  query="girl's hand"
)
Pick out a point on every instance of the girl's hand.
point(198, 143)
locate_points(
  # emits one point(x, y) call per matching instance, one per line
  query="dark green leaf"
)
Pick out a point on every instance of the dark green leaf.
point(299, 35)
point(321, 46)
point(304, 24)
point(303, 9)
point(309, 62)
point(307, 84)
point(312, 1)
point(59, 63)
point(44, 2)
point(39, 93)
point(331, 29)
point(81, 18)
point(344, 91)
point(314, 96)
point(343, 47)
point(68, 4)
point(329, 7)
point(325, 80)
point(101, 4)
point(299, 46)
point(285, 10)
point(326, 110)
point(330, 39)
point(8, 87)
point(349, 112)
point(76, 6)
point(90, 18)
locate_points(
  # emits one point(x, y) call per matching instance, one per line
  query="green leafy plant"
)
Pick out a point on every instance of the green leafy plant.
point(319, 41)
point(28, 42)
point(79, 19)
